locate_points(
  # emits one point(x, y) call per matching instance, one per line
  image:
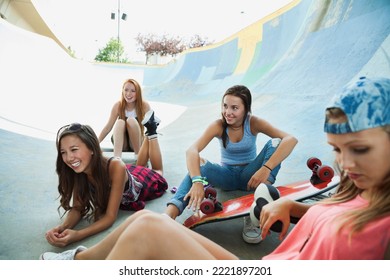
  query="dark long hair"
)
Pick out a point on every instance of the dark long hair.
point(93, 197)
point(244, 94)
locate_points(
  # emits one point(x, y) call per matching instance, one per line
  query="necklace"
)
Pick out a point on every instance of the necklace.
point(236, 128)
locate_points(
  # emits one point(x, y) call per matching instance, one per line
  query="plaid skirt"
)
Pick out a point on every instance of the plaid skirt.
point(144, 184)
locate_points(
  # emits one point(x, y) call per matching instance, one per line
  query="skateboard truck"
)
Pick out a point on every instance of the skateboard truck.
point(321, 173)
point(210, 204)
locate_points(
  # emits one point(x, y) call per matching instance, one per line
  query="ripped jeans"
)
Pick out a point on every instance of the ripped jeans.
point(228, 177)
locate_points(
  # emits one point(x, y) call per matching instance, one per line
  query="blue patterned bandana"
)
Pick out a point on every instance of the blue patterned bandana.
point(366, 103)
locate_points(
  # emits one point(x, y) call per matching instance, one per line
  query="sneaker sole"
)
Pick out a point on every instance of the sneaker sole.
point(251, 240)
point(147, 118)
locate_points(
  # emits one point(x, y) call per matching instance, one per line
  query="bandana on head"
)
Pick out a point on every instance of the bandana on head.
point(365, 102)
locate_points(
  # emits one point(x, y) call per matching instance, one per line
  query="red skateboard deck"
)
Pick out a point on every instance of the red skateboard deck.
point(239, 207)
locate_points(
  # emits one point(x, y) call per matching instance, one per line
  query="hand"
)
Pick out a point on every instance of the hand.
point(261, 176)
point(59, 238)
point(278, 210)
point(53, 233)
point(195, 196)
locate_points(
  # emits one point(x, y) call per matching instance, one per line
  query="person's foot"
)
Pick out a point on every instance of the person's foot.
point(263, 195)
point(66, 255)
point(250, 233)
point(151, 122)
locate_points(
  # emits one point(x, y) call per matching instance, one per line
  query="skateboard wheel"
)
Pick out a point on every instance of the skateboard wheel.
point(209, 191)
point(207, 206)
point(312, 162)
point(325, 173)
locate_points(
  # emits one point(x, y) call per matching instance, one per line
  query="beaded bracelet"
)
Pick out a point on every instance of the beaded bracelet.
point(200, 179)
point(267, 167)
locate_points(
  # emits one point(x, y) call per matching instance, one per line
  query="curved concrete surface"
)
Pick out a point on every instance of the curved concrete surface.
point(293, 61)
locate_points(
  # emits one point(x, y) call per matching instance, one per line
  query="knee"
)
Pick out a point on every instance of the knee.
point(146, 233)
point(136, 216)
point(270, 146)
point(139, 214)
point(203, 161)
point(143, 227)
point(131, 122)
point(274, 142)
point(148, 221)
point(119, 124)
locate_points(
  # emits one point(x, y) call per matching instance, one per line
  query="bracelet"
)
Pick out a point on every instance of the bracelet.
point(199, 179)
point(267, 167)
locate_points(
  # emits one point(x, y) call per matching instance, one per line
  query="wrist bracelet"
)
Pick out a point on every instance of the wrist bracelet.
point(199, 179)
point(267, 167)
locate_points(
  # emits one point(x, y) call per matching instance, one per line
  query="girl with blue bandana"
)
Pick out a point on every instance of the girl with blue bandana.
point(358, 128)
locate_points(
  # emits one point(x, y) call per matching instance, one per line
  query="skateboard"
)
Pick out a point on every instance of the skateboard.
point(321, 181)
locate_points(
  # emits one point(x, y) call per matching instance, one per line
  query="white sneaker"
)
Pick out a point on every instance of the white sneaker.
point(66, 255)
point(250, 233)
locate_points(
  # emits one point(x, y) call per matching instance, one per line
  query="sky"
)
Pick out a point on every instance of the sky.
point(86, 25)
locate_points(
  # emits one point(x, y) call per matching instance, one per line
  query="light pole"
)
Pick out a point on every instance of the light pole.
point(123, 17)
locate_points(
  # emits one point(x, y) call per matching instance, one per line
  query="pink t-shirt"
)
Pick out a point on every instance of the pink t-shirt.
point(315, 237)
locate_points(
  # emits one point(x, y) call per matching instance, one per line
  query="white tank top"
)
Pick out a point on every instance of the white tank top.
point(130, 114)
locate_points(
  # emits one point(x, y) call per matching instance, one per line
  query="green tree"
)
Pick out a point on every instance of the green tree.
point(112, 52)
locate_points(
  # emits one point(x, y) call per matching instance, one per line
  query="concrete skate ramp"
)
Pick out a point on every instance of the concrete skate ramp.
point(293, 61)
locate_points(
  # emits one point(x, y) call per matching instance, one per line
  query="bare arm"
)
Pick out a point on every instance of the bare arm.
point(196, 193)
point(281, 210)
point(73, 217)
point(111, 121)
point(57, 236)
point(118, 177)
point(146, 106)
point(283, 150)
point(64, 234)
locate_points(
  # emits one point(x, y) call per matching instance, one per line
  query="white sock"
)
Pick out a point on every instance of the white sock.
point(151, 137)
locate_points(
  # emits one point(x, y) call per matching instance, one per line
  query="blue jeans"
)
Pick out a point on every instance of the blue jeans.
point(228, 177)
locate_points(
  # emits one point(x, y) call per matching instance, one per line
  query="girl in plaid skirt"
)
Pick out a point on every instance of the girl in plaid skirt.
point(95, 187)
